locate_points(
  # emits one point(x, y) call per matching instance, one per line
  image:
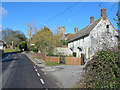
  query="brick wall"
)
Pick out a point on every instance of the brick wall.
point(73, 60)
point(52, 59)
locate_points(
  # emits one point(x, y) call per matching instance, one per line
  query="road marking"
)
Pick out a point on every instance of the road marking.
point(36, 70)
point(42, 81)
point(38, 74)
point(34, 67)
point(6, 58)
point(45, 73)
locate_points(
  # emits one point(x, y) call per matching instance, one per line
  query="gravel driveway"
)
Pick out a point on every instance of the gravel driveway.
point(67, 75)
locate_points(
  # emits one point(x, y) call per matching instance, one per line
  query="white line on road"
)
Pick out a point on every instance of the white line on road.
point(36, 70)
point(6, 57)
point(42, 81)
point(34, 67)
point(38, 74)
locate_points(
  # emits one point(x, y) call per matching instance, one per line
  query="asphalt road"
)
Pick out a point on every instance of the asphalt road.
point(19, 72)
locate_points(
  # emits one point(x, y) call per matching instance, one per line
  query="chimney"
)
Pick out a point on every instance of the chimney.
point(103, 13)
point(76, 29)
point(91, 19)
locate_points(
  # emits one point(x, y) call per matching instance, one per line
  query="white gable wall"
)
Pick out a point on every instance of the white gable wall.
point(100, 38)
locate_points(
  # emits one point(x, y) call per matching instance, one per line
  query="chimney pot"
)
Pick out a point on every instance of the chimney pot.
point(91, 19)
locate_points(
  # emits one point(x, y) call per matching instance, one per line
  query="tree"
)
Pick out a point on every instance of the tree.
point(32, 30)
point(9, 36)
point(45, 41)
point(23, 45)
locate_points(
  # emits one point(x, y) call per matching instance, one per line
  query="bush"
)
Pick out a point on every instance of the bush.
point(22, 45)
point(103, 71)
point(32, 48)
point(74, 54)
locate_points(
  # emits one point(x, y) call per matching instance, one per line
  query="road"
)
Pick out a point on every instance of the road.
point(19, 72)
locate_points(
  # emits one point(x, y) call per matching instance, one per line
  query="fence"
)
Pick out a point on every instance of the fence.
point(52, 59)
point(68, 60)
point(73, 60)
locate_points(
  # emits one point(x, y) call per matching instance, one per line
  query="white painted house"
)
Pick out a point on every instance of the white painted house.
point(1, 45)
point(96, 36)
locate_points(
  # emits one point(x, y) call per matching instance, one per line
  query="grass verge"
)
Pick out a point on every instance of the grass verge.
point(52, 64)
point(11, 50)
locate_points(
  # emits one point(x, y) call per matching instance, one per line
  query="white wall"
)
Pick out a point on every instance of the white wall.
point(100, 38)
point(84, 43)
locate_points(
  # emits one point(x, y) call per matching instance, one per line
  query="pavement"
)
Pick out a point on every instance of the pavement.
point(66, 75)
point(18, 71)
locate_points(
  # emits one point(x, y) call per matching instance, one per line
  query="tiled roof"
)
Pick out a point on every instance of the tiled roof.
point(85, 31)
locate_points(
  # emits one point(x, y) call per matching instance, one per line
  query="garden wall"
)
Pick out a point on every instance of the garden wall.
point(73, 60)
point(68, 60)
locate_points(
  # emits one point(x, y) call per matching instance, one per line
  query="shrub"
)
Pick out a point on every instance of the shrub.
point(22, 45)
point(74, 54)
point(32, 48)
point(103, 71)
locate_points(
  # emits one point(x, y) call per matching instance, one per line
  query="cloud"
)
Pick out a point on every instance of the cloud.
point(69, 20)
point(3, 11)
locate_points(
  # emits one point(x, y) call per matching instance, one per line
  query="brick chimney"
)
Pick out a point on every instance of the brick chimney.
point(91, 19)
point(103, 13)
point(76, 29)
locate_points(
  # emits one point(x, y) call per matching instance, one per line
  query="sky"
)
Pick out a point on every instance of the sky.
point(15, 15)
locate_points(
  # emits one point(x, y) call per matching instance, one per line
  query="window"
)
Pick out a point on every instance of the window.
point(107, 26)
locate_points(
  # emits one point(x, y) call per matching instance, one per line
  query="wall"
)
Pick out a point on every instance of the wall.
point(61, 51)
point(102, 39)
point(85, 43)
point(73, 60)
point(52, 59)
point(68, 60)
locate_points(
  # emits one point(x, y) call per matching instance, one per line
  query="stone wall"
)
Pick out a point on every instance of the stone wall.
point(61, 51)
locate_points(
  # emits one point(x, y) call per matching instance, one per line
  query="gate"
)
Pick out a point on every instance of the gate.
point(82, 59)
point(62, 59)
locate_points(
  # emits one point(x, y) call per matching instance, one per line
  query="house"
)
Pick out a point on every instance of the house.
point(1, 45)
point(96, 36)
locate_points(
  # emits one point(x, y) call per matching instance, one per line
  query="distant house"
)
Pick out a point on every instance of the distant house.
point(1, 45)
point(96, 36)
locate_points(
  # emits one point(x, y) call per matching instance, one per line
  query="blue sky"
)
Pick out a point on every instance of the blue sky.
point(17, 14)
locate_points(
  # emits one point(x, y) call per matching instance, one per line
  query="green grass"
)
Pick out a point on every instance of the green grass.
point(11, 50)
point(52, 64)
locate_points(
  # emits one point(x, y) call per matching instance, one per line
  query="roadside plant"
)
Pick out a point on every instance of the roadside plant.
point(103, 71)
